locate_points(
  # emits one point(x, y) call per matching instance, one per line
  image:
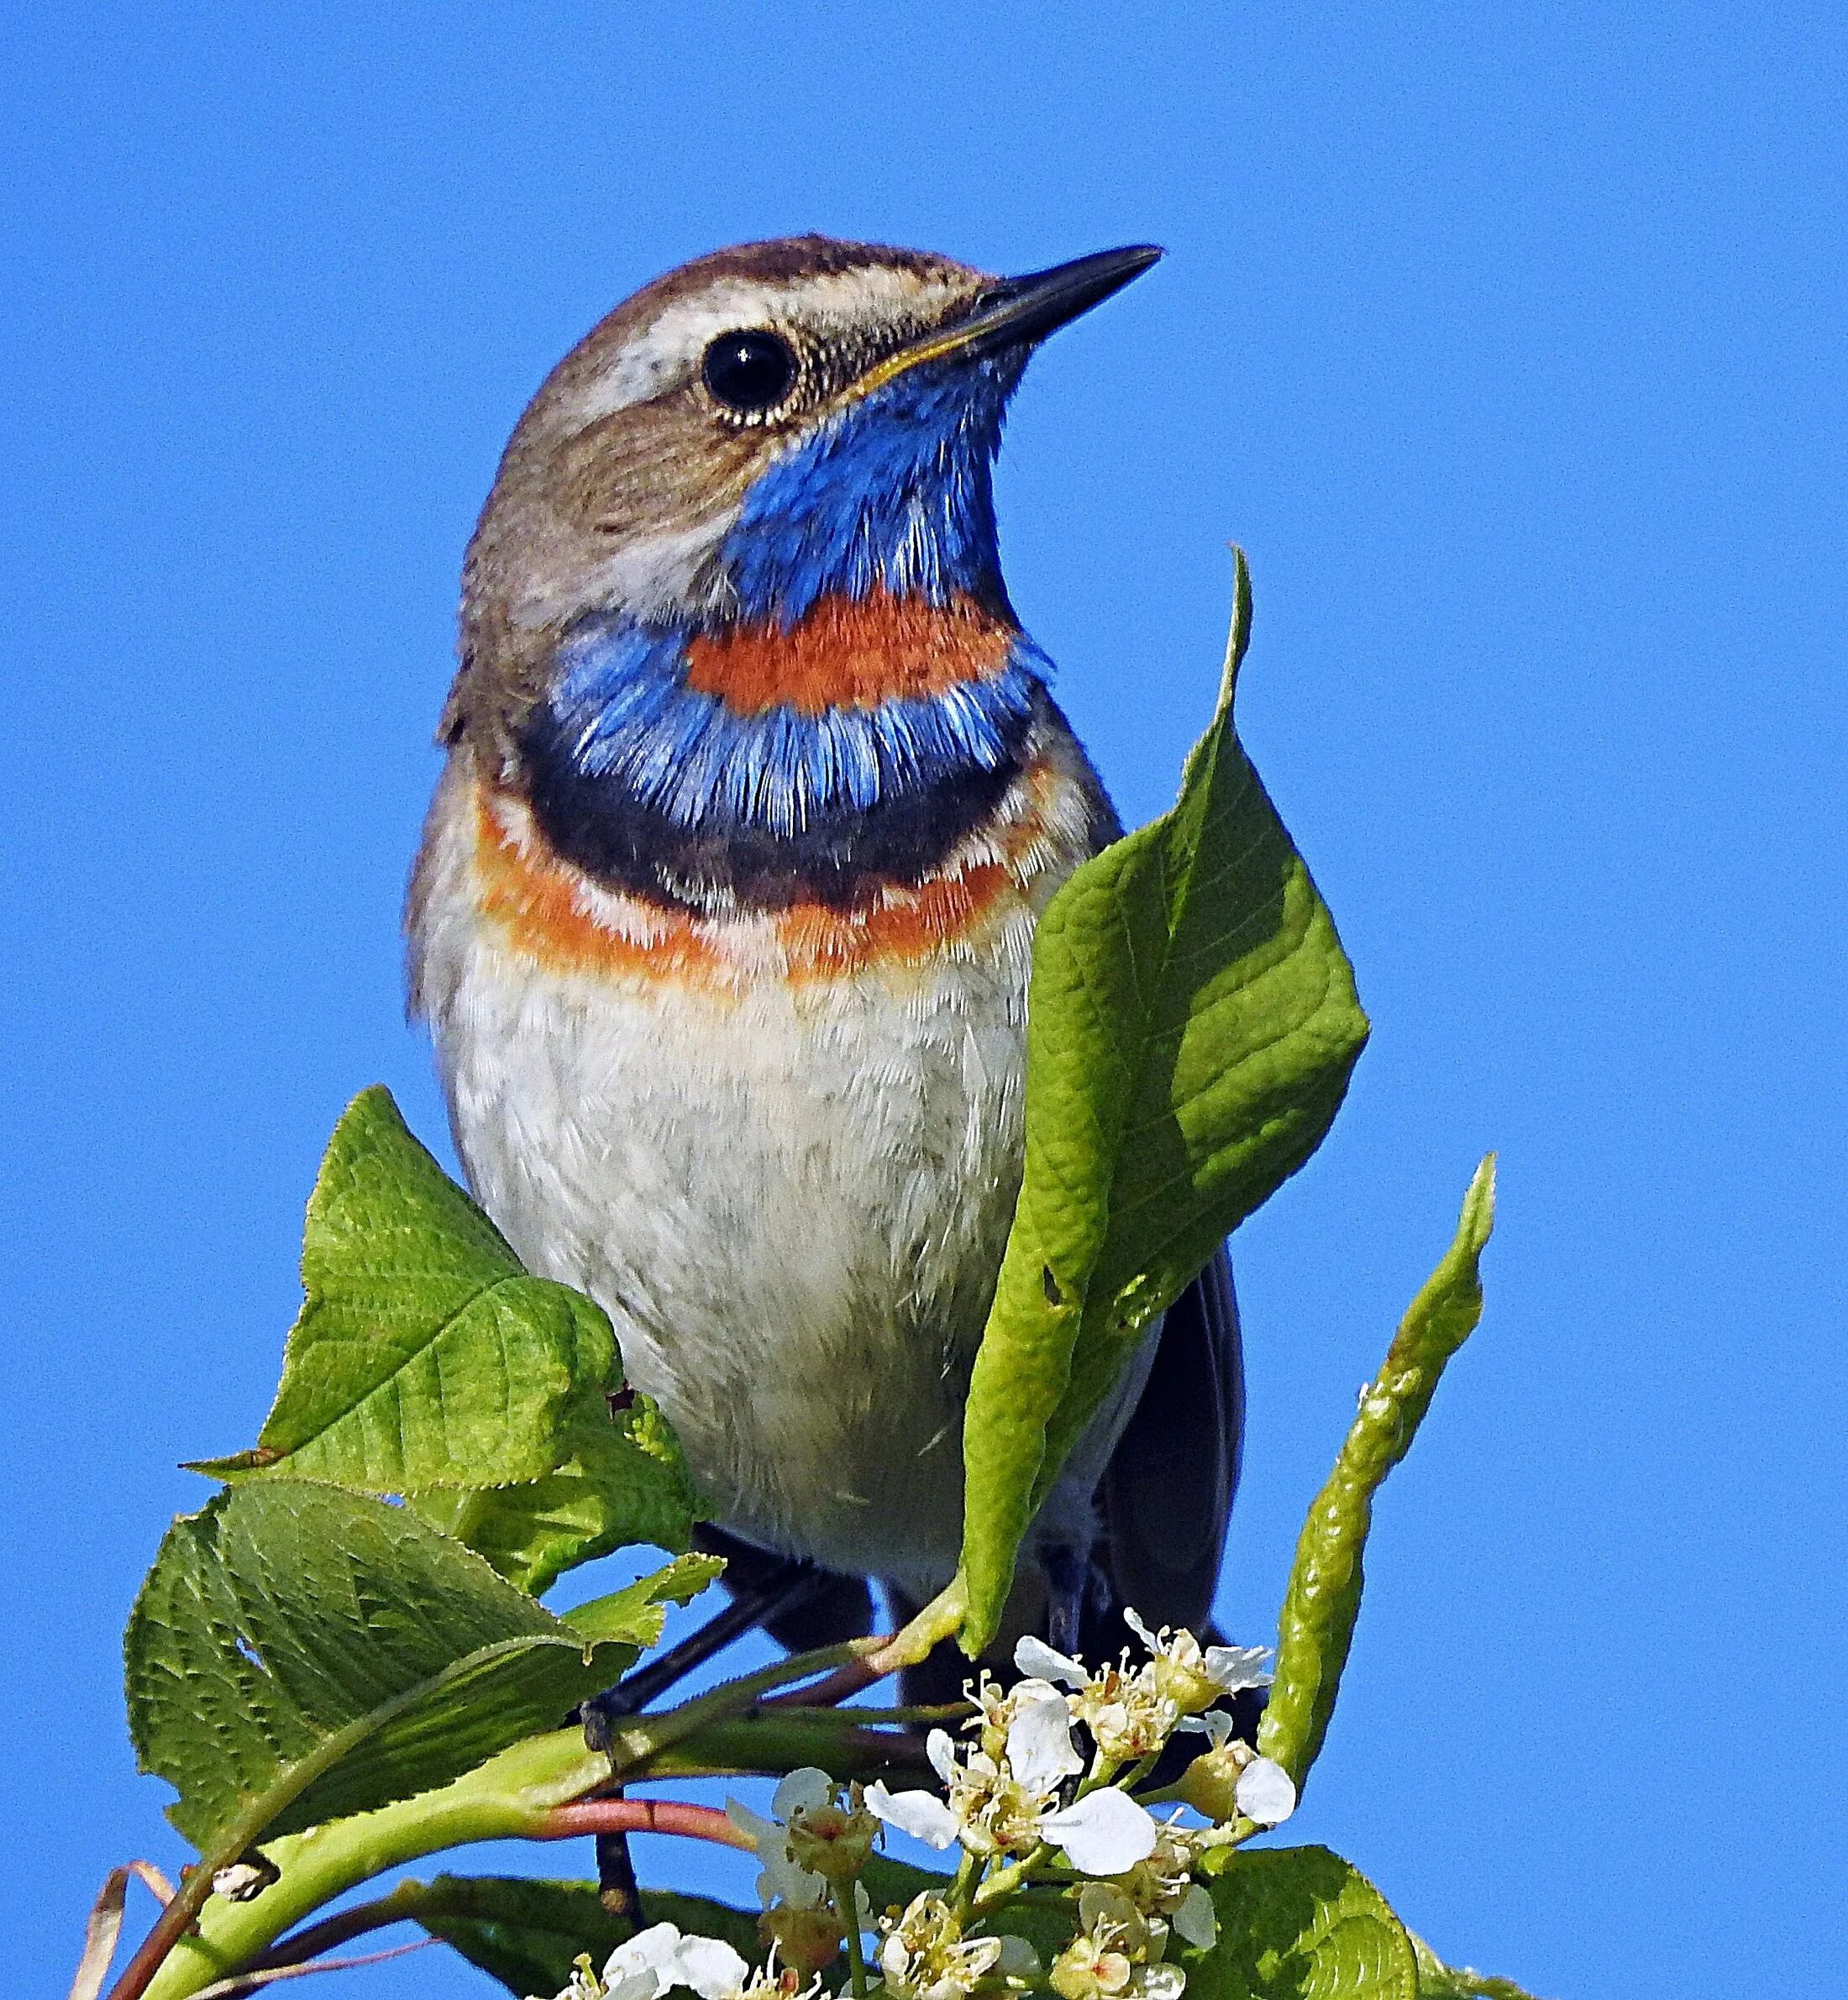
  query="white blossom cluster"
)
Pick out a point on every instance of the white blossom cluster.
point(1024, 1805)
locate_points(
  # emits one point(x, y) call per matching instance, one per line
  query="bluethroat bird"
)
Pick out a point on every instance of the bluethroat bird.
point(722, 922)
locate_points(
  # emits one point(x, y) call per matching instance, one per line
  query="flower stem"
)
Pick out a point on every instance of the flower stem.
point(847, 1909)
point(1005, 1880)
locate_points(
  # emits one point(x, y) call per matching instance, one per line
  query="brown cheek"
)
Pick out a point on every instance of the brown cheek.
point(656, 466)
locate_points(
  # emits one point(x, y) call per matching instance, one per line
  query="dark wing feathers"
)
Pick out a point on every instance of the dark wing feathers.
point(1168, 1487)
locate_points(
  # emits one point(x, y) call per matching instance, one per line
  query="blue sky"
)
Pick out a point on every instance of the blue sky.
point(1508, 341)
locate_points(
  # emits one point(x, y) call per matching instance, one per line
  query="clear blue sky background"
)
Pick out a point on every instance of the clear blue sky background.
point(1508, 340)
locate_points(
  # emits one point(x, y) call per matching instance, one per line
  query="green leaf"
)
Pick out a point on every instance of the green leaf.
point(1438, 1981)
point(637, 1612)
point(526, 1932)
point(424, 1356)
point(1299, 1924)
point(299, 1652)
point(1191, 1026)
point(1322, 1600)
point(620, 1479)
point(426, 1362)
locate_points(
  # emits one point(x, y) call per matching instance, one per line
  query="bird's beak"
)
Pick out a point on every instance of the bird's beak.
point(1018, 312)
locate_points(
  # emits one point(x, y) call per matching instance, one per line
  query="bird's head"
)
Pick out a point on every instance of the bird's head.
point(733, 617)
point(762, 428)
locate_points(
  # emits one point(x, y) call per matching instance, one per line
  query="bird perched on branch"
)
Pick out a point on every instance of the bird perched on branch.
point(724, 911)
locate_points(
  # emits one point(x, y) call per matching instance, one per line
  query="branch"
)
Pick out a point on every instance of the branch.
point(638, 1816)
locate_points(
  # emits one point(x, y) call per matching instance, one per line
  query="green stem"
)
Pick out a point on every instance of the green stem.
point(506, 1798)
point(526, 1793)
point(509, 1797)
point(778, 1739)
point(967, 1880)
point(401, 1905)
point(633, 1742)
point(847, 1909)
point(1005, 1880)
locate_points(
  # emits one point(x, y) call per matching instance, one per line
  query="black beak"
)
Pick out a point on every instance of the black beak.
point(1015, 312)
point(1019, 310)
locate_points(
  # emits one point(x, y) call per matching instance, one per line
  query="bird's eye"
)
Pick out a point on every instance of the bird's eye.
point(749, 371)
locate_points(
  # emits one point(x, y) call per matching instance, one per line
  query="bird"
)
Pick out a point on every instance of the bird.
point(754, 791)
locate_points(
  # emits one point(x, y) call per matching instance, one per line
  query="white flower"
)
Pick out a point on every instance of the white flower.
point(1117, 1953)
point(1040, 1752)
point(1035, 1658)
point(1266, 1792)
point(644, 1967)
point(1192, 1678)
point(1105, 1833)
point(921, 1814)
point(923, 1954)
point(1009, 1805)
point(783, 1879)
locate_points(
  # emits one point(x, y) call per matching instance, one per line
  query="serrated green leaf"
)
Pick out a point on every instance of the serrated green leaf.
point(637, 1612)
point(1322, 1599)
point(424, 1356)
point(620, 1479)
point(526, 1932)
point(1299, 1924)
point(300, 1652)
point(1191, 1026)
point(1438, 1981)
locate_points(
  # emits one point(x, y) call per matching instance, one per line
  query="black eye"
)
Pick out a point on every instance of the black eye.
point(749, 371)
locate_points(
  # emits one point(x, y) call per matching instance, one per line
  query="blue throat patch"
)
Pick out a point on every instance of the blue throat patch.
point(624, 714)
point(893, 493)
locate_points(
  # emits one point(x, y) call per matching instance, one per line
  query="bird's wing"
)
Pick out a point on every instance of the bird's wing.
point(1167, 1490)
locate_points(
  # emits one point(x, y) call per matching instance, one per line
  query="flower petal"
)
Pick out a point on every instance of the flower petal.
point(1163, 1982)
point(1195, 1920)
point(941, 1749)
point(808, 1786)
point(1105, 1833)
point(710, 1966)
point(1265, 1792)
point(1216, 1724)
point(921, 1814)
point(1134, 1621)
point(1232, 1668)
point(755, 1828)
point(649, 1952)
point(1039, 1743)
point(1035, 1657)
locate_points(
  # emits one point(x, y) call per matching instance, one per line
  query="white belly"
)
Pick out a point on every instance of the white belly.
point(791, 1200)
point(791, 1206)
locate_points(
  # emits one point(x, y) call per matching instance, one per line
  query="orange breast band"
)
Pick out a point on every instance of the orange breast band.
point(549, 914)
point(846, 654)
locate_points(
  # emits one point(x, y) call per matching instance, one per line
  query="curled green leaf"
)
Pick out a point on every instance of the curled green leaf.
point(1322, 1600)
point(1438, 1981)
